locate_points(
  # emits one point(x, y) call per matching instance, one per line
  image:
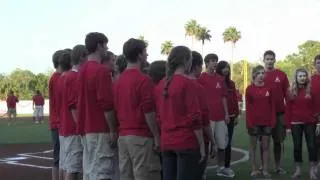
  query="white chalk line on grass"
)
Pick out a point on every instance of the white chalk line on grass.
point(33, 156)
point(11, 160)
point(243, 159)
point(45, 152)
point(27, 165)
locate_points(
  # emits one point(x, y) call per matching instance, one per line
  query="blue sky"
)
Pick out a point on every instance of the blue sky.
point(33, 29)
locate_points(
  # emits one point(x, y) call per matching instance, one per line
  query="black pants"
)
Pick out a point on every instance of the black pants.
point(56, 147)
point(228, 148)
point(180, 165)
point(310, 136)
point(202, 166)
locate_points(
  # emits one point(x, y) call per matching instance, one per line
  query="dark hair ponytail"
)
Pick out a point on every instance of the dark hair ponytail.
point(178, 56)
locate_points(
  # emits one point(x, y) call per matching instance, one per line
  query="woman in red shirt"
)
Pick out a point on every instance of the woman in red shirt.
point(301, 119)
point(260, 118)
point(179, 114)
point(223, 68)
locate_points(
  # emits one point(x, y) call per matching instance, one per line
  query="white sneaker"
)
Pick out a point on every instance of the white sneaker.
point(230, 172)
point(225, 172)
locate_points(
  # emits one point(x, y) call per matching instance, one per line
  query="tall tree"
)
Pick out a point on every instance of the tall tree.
point(166, 47)
point(191, 28)
point(203, 34)
point(231, 34)
point(143, 39)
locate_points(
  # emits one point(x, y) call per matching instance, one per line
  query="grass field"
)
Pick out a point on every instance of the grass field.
point(26, 132)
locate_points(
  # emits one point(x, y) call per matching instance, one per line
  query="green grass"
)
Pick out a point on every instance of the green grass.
point(24, 132)
point(27, 132)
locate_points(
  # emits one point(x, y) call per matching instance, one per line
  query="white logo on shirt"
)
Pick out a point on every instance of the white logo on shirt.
point(267, 94)
point(277, 79)
point(218, 86)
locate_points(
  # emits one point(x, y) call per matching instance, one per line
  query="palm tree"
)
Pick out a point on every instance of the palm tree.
point(231, 34)
point(203, 34)
point(166, 47)
point(191, 29)
point(143, 39)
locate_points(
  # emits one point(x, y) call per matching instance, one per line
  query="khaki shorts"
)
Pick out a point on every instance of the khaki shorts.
point(137, 159)
point(12, 111)
point(63, 153)
point(99, 158)
point(38, 111)
point(220, 133)
point(72, 153)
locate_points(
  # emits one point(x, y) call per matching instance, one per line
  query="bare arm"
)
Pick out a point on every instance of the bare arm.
point(74, 115)
point(199, 136)
point(225, 106)
point(111, 121)
point(208, 133)
point(152, 124)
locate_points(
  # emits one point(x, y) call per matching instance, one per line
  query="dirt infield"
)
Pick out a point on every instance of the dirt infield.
point(33, 161)
point(21, 161)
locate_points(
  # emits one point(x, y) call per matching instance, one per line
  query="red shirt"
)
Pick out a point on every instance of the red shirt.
point(214, 90)
point(53, 110)
point(133, 98)
point(95, 97)
point(38, 100)
point(279, 83)
point(315, 89)
point(69, 99)
point(300, 109)
point(179, 114)
point(204, 108)
point(12, 101)
point(232, 99)
point(59, 98)
point(260, 108)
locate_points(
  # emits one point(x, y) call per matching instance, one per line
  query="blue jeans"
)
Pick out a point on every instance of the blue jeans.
point(180, 165)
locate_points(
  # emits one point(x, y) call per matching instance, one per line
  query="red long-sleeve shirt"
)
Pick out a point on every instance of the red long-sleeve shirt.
point(179, 113)
point(53, 109)
point(59, 98)
point(300, 109)
point(232, 100)
point(94, 97)
point(133, 97)
point(278, 81)
point(260, 108)
point(69, 99)
point(315, 89)
point(204, 108)
point(214, 90)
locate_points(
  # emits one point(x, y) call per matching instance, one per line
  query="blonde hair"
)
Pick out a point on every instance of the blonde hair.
point(294, 84)
point(255, 71)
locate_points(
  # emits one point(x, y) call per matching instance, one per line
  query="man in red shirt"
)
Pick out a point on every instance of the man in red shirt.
point(54, 113)
point(135, 106)
point(70, 140)
point(37, 105)
point(277, 80)
point(216, 94)
point(12, 101)
point(65, 66)
point(96, 119)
